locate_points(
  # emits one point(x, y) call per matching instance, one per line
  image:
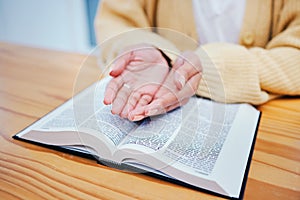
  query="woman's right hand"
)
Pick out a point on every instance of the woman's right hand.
point(181, 83)
point(137, 75)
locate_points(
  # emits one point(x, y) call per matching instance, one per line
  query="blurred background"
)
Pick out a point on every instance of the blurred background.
point(65, 25)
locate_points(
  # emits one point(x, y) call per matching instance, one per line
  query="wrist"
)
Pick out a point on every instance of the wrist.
point(167, 59)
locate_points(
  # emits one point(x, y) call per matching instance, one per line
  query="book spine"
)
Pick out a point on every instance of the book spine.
point(110, 163)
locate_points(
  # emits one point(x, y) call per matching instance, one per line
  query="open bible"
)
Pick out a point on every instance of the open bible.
point(203, 144)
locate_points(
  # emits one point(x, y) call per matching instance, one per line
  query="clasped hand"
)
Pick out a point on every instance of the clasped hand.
point(143, 83)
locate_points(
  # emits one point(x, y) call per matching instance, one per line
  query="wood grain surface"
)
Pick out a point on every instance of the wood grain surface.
point(34, 81)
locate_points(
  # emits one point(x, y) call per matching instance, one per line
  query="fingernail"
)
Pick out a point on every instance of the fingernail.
point(138, 118)
point(181, 80)
point(105, 102)
point(111, 72)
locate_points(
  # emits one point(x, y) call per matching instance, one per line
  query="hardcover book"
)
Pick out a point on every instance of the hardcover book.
point(203, 144)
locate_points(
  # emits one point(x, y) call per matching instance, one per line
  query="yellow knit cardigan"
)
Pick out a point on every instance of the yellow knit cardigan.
point(265, 63)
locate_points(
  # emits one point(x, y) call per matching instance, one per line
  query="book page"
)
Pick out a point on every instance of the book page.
point(192, 135)
point(202, 135)
point(230, 167)
point(93, 117)
point(155, 132)
point(85, 114)
point(112, 126)
point(64, 120)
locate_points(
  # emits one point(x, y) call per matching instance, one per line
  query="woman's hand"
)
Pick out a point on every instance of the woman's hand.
point(137, 75)
point(181, 83)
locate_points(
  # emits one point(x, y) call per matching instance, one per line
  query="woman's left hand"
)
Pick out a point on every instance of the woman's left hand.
point(182, 83)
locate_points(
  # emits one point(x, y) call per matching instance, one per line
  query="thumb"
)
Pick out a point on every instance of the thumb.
point(120, 64)
point(178, 62)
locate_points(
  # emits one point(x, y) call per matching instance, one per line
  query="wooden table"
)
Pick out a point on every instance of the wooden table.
point(34, 81)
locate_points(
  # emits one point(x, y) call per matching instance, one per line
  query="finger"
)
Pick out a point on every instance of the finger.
point(120, 64)
point(166, 95)
point(112, 89)
point(183, 74)
point(131, 103)
point(192, 85)
point(126, 110)
point(158, 111)
point(155, 109)
point(190, 66)
point(178, 104)
point(138, 118)
point(167, 101)
point(142, 97)
point(145, 100)
point(178, 62)
point(138, 112)
point(120, 100)
point(161, 104)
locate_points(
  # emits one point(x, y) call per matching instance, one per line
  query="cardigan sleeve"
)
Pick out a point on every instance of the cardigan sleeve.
point(120, 24)
point(234, 73)
point(231, 73)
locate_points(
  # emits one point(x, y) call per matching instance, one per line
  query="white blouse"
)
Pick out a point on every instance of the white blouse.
point(219, 20)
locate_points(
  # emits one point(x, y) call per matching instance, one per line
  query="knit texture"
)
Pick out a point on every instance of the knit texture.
point(264, 65)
